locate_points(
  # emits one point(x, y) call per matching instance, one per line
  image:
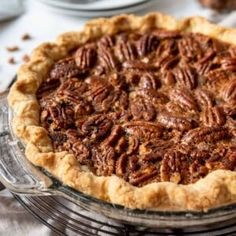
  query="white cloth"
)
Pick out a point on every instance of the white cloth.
point(45, 25)
point(15, 220)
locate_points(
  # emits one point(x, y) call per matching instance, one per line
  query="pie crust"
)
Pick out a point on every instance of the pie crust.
point(217, 188)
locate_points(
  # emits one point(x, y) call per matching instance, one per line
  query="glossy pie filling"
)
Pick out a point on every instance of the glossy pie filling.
point(152, 107)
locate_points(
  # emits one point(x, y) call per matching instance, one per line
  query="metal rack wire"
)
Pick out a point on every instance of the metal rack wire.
point(67, 218)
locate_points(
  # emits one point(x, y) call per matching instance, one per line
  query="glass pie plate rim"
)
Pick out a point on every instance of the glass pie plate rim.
point(21, 177)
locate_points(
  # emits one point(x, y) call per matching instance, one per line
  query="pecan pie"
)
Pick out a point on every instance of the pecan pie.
point(137, 111)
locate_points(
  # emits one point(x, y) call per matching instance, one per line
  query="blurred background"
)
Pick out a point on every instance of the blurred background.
point(26, 23)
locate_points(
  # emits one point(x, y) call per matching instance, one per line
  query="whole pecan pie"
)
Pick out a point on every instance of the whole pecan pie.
point(137, 111)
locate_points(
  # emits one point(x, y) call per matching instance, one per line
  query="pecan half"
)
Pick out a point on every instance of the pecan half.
point(222, 159)
point(138, 65)
point(103, 160)
point(189, 48)
point(206, 134)
point(213, 116)
point(96, 127)
point(143, 175)
point(58, 138)
point(204, 98)
point(126, 164)
point(142, 109)
point(57, 116)
point(167, 62)
point(146, 44)
point(101, 94)
point(186, 77)
point(85, 57)
point(175, 122)
point(81, 152)
point(107, 59)
point(229, 64)
point(143, 130)
point(126, 51)
point(106, 42)
point(173, 167)
point(184, 98)
point(229, 91)
point(148, 81)
point(65, 68)
point(154, 150)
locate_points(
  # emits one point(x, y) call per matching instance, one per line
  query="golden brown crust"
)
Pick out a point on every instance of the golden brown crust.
point(216, 189)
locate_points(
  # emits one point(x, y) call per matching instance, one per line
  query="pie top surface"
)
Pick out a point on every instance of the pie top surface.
point(147, 107)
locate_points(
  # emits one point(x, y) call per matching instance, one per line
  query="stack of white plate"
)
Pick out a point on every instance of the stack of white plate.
point(96, 8)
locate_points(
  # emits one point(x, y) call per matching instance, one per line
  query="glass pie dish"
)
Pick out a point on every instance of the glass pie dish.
point(21, 177)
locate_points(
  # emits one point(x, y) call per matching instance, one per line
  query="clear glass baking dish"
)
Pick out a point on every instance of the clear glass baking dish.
point(21, 177)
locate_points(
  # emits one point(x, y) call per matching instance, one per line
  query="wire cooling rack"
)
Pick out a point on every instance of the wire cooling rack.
point(67, 218)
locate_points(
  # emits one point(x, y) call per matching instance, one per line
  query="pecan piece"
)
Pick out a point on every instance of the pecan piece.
point(96, 127)
point(184, 98)
point(65, 68)
point(229, 91)
point(205, 134)
point(213, 116)
point(175, 122)
point(103, 161)
point(146, 44)
point(85, 58)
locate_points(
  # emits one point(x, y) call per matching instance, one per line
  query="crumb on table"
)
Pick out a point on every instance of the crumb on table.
point(11, 60)
point(26, 36)
point(25, 58)
point(12, 48)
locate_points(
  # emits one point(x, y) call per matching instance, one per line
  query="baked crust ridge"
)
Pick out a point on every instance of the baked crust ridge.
point(217, 188)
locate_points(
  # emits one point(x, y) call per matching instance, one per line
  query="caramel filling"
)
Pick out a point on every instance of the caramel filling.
point(159, 106)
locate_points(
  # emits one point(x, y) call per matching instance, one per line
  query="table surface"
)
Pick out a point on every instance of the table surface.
point(44, 25)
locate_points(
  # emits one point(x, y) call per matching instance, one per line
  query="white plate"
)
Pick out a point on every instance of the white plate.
point(98, 5)
point(93, 14)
